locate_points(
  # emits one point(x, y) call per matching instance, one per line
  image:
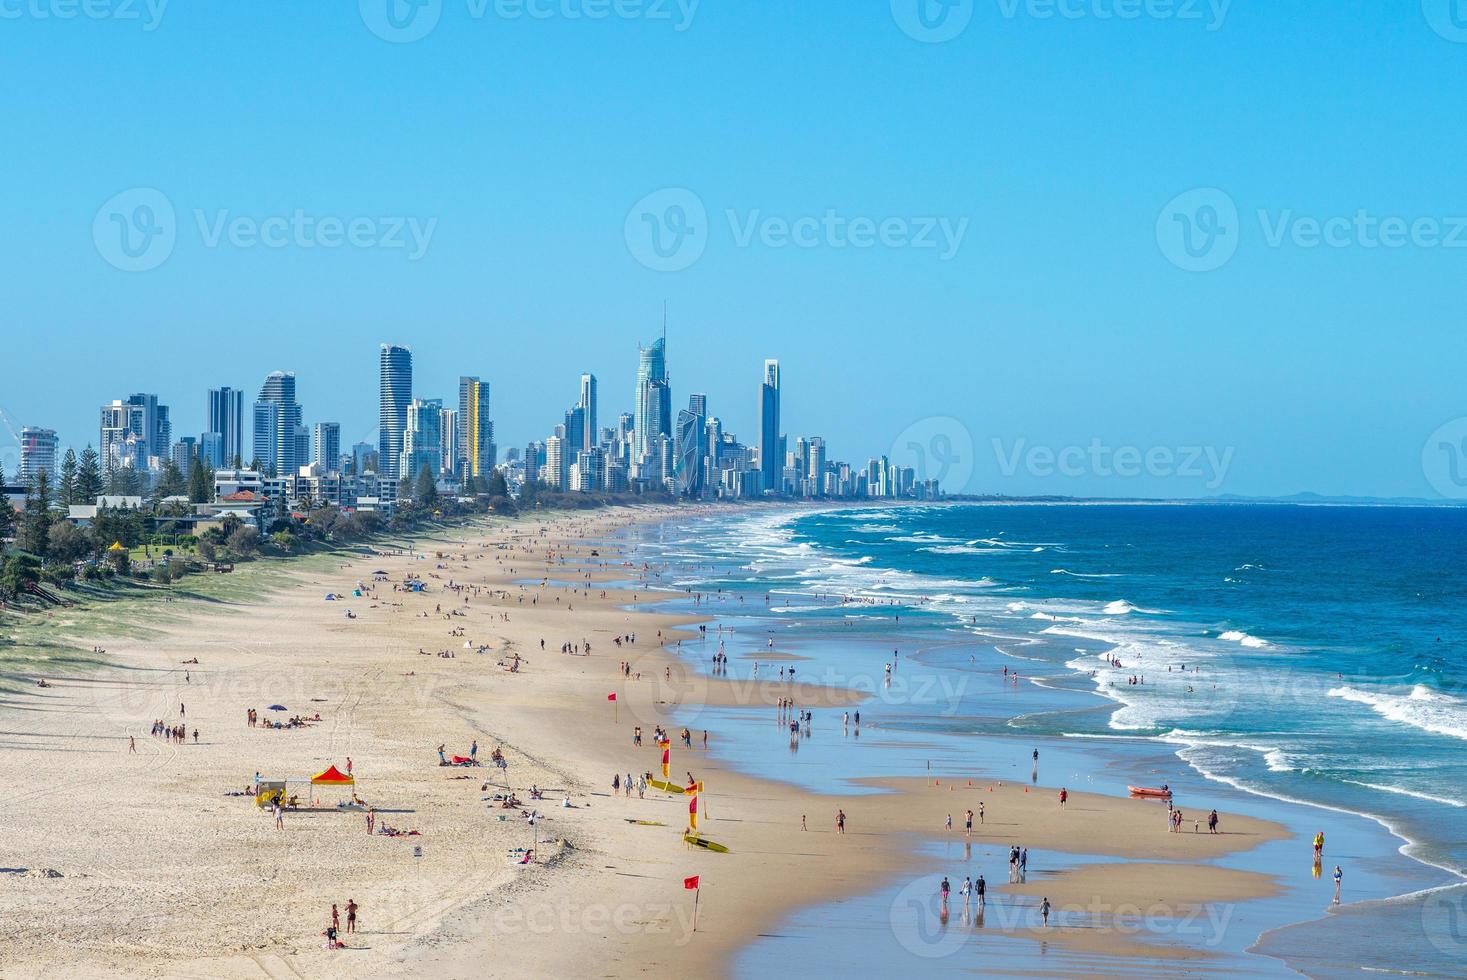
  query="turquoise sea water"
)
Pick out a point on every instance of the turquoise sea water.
point(1283, 655)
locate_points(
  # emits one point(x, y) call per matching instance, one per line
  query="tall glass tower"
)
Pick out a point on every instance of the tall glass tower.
point(771, 454)
point(653, 400)
point(395, 394)
point(226, 417)
point(588, 416)
point(278, 451)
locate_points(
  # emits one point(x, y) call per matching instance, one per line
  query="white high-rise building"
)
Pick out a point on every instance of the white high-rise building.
point(37, 453)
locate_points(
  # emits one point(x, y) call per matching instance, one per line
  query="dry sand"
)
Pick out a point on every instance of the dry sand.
point(159, 873)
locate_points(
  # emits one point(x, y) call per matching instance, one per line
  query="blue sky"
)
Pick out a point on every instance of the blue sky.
point(534, 150)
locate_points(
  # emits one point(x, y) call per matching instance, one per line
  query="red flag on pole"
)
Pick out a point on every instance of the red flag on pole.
point(611, 697)
point(691, 884)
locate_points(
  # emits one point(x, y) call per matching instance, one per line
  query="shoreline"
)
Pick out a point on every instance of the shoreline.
point(730, 794)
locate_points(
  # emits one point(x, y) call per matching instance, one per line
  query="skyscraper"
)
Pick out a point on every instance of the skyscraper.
point(277, 452)
point(555, 462)
point(691, 448)
point(588, 411)
point(37, 453)
point(475, 430)
point(448, 451)
point(395, 394)
point(771, 453)
point(328, 446)
point(134, 432)
point(422, 444)
point(653, 399)
point(226, 417)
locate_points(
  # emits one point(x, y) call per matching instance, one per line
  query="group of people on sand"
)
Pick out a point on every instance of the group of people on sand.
point(333, 931)
point(177, 734)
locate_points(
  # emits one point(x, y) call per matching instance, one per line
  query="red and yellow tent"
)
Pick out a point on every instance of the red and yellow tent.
point(332, 776)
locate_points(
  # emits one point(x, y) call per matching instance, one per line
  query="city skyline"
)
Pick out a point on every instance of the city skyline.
point(681, 452)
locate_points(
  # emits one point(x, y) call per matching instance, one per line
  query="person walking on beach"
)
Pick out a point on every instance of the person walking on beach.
point(968, 823)
point(945, 888)
point(335, 917)
point(982, 889)
point(802, 823)
point(840, 821)
point(1064, 795)
point(279, 816)
point(132, 743)
point(1338, 876)
point(949, 823)
point(351, 916)
point(1044, 911)
point(980, 811)
point(1212, 822)
point(967, 892)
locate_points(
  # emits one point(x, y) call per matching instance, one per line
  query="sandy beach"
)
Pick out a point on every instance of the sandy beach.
point(139, 863)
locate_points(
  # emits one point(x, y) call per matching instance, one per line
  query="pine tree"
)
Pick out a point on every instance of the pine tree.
point(200, 484)
point(35, 524)
point(67, 489)
point(7, 514)
point(171, 482)
point(88, 477)
point(425, 493)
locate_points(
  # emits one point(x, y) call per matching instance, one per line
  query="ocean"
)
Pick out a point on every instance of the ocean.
point(1301, 659)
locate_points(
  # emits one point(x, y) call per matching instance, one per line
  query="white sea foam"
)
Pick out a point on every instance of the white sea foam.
point(1238, 636)
point(1066, 571)
point(1423, 708)
point(1402, 791)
